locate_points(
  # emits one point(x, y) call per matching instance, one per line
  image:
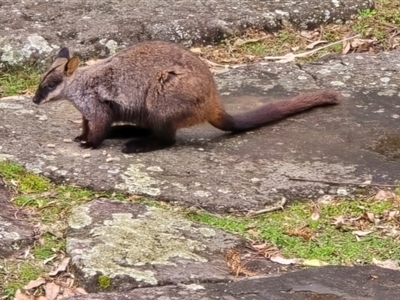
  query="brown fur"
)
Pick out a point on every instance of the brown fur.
point(160, 87)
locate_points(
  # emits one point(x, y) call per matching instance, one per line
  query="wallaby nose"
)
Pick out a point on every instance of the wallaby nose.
point(36, 99)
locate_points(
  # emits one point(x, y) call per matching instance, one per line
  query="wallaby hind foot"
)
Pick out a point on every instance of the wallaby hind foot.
point(147, 144)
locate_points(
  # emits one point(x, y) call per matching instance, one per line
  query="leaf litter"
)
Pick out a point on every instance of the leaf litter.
point(57, 285)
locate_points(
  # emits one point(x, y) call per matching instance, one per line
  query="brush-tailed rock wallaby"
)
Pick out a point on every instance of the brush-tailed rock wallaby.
point(159, 87)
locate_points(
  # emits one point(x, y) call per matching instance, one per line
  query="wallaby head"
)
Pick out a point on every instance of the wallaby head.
point(54, 82)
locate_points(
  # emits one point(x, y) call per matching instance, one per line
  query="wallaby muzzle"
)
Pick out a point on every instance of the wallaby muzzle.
point(37, 98)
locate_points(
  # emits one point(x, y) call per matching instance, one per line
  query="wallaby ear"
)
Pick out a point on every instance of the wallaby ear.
point(63, 53)
point(71, 66)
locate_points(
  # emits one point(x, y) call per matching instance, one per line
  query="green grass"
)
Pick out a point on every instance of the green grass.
point(19, 80)
point(17, 275)
point(48, 204)
point(326, 242)
point(293, 230)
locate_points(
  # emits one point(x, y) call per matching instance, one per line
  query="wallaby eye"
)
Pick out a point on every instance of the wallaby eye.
point(51, 86)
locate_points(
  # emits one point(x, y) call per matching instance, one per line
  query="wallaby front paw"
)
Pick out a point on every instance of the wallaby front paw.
point(79, 139)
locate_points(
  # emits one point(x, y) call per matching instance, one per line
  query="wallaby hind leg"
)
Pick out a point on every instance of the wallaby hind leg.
point(159, 139)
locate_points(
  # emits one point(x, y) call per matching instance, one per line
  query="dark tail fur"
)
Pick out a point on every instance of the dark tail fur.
point(274, 111)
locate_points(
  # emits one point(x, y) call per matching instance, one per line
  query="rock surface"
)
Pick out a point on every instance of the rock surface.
point(356, 141)
point(32, 30)
point(139, 246)
point(15, 232)
point(326, 283)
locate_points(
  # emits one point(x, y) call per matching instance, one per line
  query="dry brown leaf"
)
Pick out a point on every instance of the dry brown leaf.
point(61, 267)
point(41, 298)
point(254, 232)
point(304, 232)
point(387, 264)
point(284, 261)
point(196, 50)
point(355, 43)
point(52, 289)
point(35, 283)
point(315, 213)
point(339, 222)
point(234, 263)
point(346, 47)
point(392, 214)
point(21, 296)
point(309, 34)
point(265, 250)
point(384, 195)
point(370, 217)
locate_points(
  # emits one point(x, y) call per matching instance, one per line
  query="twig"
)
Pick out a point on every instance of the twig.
point(267, 210)
point(304, 54)
point(341, 182)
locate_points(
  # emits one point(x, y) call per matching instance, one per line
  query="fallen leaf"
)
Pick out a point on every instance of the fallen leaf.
point(313, 263)
point(196, 50)
point(313, 44)
point(41, 298)
point(21, 296)
point(52, 289)
point(346, 47)
point(384, 195)
point(234, 263)
point(387, 264)
point(309, 34)
point(315, 213)
point(284, 261)
point(361, 233)
point(370, 217)
point(265, 250)
point(35, 283)
point(392, 214)
point(254, 232)
point(61, 267)
point(339, 221)
point(373, 276)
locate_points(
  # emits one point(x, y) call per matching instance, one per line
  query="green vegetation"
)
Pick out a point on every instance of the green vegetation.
point(376, 29)
point(19, 80)
point(298, 235)
point(104, 282)
point(46, 203)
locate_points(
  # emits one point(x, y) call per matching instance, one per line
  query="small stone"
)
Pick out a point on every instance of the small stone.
point(342, 191)
point(51, 145)
point(86, 155)
point(395, 116)
point(110, 159)
point(67, 141)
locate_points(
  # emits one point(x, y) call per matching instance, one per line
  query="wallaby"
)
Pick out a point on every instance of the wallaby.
point(159, 87)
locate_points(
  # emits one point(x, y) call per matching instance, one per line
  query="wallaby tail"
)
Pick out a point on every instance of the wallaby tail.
point(274, 111)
